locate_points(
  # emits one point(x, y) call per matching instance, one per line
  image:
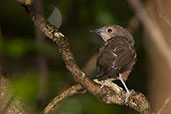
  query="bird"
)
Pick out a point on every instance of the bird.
point(117, 55)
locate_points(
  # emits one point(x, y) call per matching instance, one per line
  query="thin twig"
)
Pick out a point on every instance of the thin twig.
point(67, 93)
point(108, 95)
point(164, 105)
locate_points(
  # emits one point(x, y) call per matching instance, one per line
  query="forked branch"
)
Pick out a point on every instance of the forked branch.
point(112, 94)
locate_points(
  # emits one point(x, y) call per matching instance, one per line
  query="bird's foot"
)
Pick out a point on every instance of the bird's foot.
point(127, 95)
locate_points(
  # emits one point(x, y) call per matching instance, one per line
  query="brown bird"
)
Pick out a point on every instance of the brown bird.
point(117, 56)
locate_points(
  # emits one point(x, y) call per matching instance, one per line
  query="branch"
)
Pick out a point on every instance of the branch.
point(75, 89)
point(108, 95)
point(8, 103)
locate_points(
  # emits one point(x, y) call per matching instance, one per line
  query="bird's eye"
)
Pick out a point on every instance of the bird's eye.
point(109, 30)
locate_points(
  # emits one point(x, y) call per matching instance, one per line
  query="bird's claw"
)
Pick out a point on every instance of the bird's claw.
point(127, 95)
point(105, 81)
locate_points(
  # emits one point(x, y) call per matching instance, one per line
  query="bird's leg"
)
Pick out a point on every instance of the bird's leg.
point(105, 81)
point(128, 92)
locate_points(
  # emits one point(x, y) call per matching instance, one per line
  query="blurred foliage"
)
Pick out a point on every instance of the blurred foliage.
point(26, 87)
point(20, 51)
point(16, 48)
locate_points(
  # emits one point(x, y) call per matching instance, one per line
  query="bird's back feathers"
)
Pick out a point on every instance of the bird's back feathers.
point(115, 56)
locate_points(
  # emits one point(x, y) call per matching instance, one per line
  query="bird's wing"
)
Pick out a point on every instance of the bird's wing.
point(114, 58)
point(125, 57)
point(104, 62)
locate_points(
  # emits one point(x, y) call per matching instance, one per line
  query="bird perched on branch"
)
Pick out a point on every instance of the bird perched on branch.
point(117, 56)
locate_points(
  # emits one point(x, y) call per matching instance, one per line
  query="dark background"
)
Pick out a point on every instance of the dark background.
point(25, 59)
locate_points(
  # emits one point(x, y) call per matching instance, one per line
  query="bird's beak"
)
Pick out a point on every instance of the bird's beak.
point(97, 31)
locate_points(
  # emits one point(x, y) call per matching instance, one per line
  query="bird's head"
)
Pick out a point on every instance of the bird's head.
point(110, 31)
